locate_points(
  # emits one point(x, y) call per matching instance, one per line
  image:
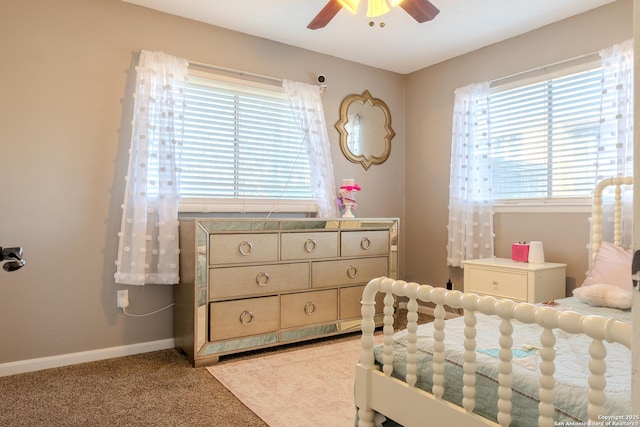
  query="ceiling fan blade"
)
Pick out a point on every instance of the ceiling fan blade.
point(420, 10)
point(325, 15)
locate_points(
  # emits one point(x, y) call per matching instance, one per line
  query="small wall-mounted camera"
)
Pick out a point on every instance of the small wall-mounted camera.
point(322, 79)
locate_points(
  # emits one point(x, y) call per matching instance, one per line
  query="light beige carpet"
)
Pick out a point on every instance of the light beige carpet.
point(307, 387)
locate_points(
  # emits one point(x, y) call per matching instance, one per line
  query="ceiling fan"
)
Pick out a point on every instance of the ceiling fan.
point(420, 10)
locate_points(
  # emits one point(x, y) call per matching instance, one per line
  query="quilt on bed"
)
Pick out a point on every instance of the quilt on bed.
point(572, 358)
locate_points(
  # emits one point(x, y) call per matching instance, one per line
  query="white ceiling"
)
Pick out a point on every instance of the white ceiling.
point(402, 46)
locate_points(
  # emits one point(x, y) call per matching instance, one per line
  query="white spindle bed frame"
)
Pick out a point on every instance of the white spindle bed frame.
point(378, 391)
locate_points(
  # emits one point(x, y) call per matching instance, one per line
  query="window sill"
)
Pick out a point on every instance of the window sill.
point(541, 207)
point(247, 206)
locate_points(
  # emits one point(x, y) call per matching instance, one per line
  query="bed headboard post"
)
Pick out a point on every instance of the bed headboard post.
point(597, 218)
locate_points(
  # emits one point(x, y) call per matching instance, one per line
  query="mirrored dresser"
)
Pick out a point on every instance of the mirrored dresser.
point(254, 283)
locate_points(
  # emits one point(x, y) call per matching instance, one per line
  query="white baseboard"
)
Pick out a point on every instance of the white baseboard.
point(32, 365)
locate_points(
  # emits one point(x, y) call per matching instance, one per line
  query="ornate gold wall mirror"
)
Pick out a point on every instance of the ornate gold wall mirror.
point(365, 129)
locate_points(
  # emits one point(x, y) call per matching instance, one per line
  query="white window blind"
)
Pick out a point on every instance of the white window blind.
point(544, 137)
point(241, 143)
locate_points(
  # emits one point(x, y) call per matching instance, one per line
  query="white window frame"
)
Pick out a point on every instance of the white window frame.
point(545, 205)
point(239, 205)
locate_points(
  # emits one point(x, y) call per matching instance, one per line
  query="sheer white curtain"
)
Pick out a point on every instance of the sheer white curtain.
point(616, 130)
point(306, 103)
point(148, 248)
point(470, 202)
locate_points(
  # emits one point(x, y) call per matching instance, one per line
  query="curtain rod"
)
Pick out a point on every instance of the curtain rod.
point(587, 56)
point(232, 71)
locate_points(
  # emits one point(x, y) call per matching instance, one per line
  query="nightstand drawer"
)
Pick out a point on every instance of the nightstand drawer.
point(231, 282)
point(307, 308)
point(240, 318)
point(505, 284)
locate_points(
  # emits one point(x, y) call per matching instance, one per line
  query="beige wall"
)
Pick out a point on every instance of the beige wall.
point(635, 326)
point(66, 67)
point(428, 134)
point(64, 118)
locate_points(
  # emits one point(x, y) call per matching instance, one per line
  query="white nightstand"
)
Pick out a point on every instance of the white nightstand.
point(518, 281)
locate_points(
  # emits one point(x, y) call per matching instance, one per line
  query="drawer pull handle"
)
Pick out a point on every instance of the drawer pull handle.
point(245, 248)
point(310, 308)
point(495, 283)
point(365, 243)
point(246, 317)
point(310, 245)
point(263, 279)
point(352, 272)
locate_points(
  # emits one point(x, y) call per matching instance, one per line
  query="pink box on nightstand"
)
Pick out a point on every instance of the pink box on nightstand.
point(520, 252)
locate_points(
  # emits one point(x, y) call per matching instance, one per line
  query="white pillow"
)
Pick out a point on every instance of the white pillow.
point(602, 295)
point(612, 266)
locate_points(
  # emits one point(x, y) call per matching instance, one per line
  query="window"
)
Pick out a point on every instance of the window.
point(537, 145)
point(544, 137)
point(243, 149)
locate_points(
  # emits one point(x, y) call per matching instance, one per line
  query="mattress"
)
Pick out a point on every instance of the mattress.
point(572, 359)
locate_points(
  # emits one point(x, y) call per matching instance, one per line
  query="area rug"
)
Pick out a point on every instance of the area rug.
point(307, 387)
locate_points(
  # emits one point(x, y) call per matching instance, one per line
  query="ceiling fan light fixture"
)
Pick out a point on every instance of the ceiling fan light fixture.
point(420, 10)
point(377, 8)
point(350, 5)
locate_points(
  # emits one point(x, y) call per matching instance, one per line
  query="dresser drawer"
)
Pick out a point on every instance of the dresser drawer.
point(243, 248)
point(351, 302)
point(233, 319)
point(309, 245)
point(231, 282)
point(307, 308)
point(348, 271)
point(364, 243)
point(505, 284)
